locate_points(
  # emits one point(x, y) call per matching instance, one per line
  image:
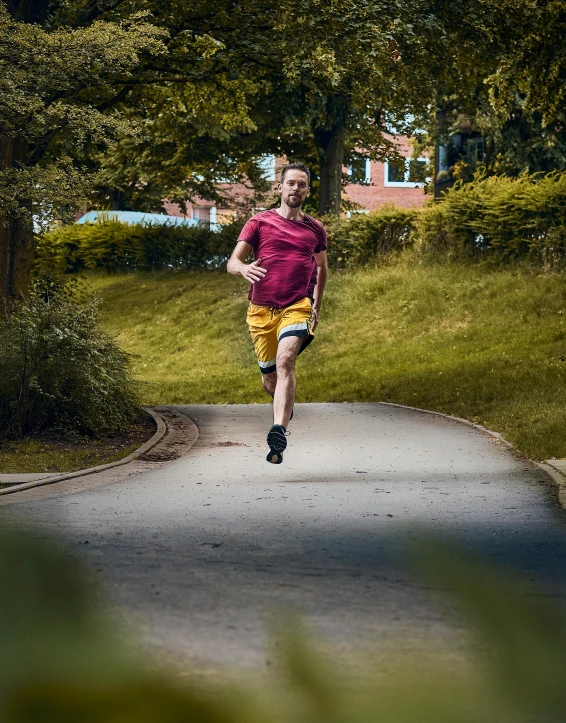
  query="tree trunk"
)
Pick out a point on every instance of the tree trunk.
point(330, 147)
point(329, 143)
point(16, 244)
point(28, 11)
point(16, 231)
point(16, 227)
point(115, 200)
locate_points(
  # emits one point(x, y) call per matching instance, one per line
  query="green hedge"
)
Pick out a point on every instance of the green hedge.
point(513, 217)
point(509, 217)
point(497, 215)
point(116, 246)
point(358, 240)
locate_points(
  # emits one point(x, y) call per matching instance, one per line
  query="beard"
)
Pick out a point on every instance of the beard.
point(293, 201)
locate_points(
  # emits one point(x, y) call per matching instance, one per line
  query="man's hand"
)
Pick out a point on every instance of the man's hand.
point(253, 272)
point(315, 313)
point(237, 264)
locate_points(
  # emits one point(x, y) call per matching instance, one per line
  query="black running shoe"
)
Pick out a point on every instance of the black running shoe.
point(277, 442)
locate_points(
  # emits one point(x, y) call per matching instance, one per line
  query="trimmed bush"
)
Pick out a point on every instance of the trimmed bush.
point(58, 369)
point(118, 247)
point(515, 217)
point(115, 246)
point(507, 217)
point(359, 240)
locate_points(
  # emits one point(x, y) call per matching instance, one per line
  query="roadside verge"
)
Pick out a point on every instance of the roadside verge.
point(174, 435)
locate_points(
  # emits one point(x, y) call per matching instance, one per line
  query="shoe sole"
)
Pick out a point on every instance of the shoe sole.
point(274, 457)
point(277, 445)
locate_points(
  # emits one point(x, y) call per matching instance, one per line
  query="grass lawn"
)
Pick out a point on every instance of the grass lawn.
point(48, 453)
point(478, 342)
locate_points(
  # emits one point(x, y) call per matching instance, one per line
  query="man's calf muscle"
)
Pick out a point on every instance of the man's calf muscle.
point(269, 382)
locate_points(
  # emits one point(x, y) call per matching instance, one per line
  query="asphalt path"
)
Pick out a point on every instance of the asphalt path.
point(201, 553)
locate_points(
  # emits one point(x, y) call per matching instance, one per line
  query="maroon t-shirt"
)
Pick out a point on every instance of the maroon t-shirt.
point(286, 249)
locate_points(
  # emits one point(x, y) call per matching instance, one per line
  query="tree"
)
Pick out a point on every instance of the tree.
point(168, 102)
point(527, 93)
point(329, 70)
point(507, 81)
point(351, 63)
point(315, 79)
point(191, 108)
point(195, 135)
point(56, 84)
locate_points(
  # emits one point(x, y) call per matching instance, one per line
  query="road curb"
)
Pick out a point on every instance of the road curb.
point(145, 447)
point(555, 475)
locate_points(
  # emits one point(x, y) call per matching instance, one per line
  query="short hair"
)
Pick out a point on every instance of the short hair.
point(296, 167)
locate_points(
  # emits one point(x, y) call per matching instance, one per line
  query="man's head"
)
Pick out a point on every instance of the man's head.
point(294, 184)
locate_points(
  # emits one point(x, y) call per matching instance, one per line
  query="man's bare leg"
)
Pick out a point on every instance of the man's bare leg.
point(269, 382)
point(284, 397)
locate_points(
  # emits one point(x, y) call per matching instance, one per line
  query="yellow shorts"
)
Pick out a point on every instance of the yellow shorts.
point(269, 325)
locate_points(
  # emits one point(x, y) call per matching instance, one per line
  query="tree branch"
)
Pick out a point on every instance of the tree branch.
point(40, 148)
point(117, 99)
point(92, 10)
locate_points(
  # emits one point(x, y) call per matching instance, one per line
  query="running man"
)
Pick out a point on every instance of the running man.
point(287, 278)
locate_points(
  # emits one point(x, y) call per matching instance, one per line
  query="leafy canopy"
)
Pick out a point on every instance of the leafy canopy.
point(53, 87)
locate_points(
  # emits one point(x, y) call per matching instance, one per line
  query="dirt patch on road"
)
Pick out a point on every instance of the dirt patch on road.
point(179, 438)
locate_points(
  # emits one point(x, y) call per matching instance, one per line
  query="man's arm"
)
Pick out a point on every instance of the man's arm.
point(322, 275)
point(237, 266)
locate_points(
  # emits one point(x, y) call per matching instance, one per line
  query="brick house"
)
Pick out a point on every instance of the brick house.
point(373, 184)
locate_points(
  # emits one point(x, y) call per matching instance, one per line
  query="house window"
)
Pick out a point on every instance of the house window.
point(206, 216)
point(360, 171)
point(475, 150)
point(417, 170)
point(395, 172)
point(202, 215)
point(405, 174)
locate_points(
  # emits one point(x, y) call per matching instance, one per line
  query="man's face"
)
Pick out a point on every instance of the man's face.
point(295, 188)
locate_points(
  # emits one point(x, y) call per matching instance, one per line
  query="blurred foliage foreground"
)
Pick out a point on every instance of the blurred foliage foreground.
point(61, 661)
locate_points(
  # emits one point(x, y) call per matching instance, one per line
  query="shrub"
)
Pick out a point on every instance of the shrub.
point(58, 369)
point(360, 239)
point(510, 217)
point(514, 217)
point(116, 246)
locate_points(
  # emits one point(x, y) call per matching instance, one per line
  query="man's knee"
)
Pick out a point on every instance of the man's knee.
point(287, 352)
point(286, 361)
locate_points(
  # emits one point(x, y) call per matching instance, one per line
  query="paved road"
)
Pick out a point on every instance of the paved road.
point(201, 551)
